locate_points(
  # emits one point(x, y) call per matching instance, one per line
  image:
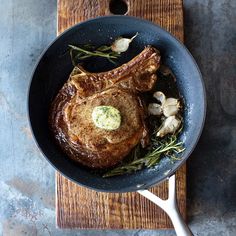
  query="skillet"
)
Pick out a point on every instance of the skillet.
point(53, 69)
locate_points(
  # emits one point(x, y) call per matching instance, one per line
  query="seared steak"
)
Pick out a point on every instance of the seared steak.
point(71, 111)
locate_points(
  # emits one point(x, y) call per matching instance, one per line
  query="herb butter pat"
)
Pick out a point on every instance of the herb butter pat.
point(106, 117)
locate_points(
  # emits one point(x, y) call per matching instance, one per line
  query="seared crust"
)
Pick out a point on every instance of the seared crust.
point(70, 114)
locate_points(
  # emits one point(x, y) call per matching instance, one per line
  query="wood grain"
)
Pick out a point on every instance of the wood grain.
point(79, 207)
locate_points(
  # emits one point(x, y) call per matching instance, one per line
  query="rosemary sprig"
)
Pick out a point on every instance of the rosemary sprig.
point(160, 148)
point(79, 53)
point(109, 52)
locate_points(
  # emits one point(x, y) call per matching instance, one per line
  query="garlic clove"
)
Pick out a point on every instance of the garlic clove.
point(154, 109)
point(122, 44)
point(170, 110)
point(171, 107)
point(169, 126)
point(160, 97)
point(171, 101)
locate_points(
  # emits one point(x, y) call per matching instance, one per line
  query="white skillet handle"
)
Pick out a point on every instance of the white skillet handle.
point(170, 207)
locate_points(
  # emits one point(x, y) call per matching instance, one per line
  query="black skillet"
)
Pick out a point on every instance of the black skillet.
point(54, 67)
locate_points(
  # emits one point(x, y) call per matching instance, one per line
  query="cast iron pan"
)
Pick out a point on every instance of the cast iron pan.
point(54, 67)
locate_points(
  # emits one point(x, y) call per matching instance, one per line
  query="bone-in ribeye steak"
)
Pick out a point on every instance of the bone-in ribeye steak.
point(71, 113)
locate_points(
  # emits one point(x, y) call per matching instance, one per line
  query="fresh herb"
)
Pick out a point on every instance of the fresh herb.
point(168, 147)
point(87, 51)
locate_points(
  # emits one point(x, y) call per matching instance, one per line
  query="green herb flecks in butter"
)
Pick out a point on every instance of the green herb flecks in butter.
point(106, 117)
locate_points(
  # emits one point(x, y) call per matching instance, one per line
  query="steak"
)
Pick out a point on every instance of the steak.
point(70, 115)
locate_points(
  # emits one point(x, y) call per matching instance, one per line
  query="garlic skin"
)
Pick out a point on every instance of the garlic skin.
point(171, 107)
point(170, 125)
point(154, 109)
point(122, 44)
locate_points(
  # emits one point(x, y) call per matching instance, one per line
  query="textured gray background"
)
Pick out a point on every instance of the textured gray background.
point(27, 181)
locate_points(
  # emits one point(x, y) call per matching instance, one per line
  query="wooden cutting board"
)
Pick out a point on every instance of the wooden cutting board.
point(79, 207)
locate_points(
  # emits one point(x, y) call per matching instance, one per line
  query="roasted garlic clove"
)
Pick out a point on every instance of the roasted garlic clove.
point(122, 44)
point(168, 106)
point(160, 97)
point(171, 107)
point(170, 125)
point(154, 109)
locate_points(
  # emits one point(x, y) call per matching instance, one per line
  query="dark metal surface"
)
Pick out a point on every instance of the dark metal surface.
point(53, 70)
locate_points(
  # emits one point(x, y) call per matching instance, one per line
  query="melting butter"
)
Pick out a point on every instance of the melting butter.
point(106, 117)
